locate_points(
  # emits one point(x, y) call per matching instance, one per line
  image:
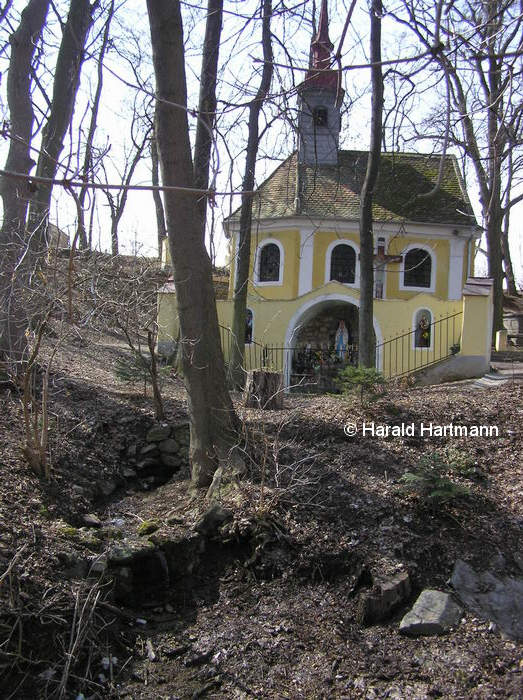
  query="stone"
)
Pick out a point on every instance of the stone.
point(171, 461)
point(212, 520)
point(149, 449)
point(132, 450)
point(107, 488)
point(169, 446)
point(91, 520)
point(182, 433)
point(98, 566)
point(433, 613)
point(384, 598)
point(147, 462)
point(159, 432)
point(147, 527)
point(492, 597)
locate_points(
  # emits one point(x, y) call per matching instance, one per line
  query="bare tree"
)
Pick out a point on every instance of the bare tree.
point(88, 163)
point(65, 86)
point(118, 201)
point(244, 236)
point(158, 204)
point(15, 193)
point(214, 424)
point(478, 46)
point(366, 336)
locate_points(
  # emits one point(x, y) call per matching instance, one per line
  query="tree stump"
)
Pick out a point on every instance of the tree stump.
point(263, 389)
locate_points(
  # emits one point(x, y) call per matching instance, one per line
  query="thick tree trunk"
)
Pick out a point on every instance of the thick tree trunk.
point(65, 87)
point(243, 258)
point(264, 390)
point(366, 331)
point(15, 193)
point(213, 421)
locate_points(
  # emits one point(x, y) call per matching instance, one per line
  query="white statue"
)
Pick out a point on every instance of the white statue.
point(341, 340)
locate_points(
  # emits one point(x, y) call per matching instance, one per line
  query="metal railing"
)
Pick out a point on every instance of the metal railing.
point(395, 357)
point(407, 353)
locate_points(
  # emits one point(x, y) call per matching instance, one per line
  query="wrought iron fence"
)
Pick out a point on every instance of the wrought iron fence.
point(405, 354)
point(318, 366)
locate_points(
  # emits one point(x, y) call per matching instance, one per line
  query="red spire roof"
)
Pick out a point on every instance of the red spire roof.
point(320, 75)
point(321, 44)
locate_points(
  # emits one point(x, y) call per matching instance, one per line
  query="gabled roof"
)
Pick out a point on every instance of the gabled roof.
point(333, 192)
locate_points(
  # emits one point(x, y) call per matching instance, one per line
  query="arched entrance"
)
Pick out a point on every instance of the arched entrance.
point(322, 338)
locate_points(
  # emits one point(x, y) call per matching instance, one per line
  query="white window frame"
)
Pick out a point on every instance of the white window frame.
point(328, 257)
point(261, 246)
point(430, 251)
point(430, 347)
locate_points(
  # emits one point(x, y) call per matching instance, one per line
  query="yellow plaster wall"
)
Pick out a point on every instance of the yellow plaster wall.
point(393, 317)
point(290, 240)
point(322, 240)
point(476, 330)
point(441, 250)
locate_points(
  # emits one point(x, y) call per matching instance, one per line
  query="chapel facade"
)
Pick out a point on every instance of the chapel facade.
point(304, 286)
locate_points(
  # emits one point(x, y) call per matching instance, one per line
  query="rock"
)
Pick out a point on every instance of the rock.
point(433, 613)
point(496, 598)
point(98, 566)
point(128, 473)
point(158, 433)
point(107, 487)
point(169, 446)
point(171, 461)
point(149, 449)
point(123, 583)
point(147, 462)
point(212, 520)
point(91, 520)
point(182, 433)
point(384, 598)
point(75, 567)
point(132, 450)
point(147, 527)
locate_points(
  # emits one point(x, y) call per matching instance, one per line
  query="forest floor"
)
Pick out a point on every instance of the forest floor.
point(271, 608)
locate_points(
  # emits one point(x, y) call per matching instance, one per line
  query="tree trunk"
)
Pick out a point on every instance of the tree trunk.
point(207, 102)
point(157, 197)
point(87, 168)
point(13, 320)
point(65, 87)
point(263, 389)
point(243, 258)
point(366, 332)
point(214, 424)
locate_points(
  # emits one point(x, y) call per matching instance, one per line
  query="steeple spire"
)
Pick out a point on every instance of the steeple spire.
point(319, 101)
point(321, 44)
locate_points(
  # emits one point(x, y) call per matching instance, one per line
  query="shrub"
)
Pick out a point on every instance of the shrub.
point(431, 482)
point(367, 380)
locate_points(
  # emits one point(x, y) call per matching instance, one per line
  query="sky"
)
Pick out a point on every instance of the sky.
point(130, 57)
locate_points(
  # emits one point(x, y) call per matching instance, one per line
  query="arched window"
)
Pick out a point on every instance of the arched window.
point(418, 269)
point(343, 264)
point(422, 329)
point(320, 116)
point(269, 263)
point(248, 326)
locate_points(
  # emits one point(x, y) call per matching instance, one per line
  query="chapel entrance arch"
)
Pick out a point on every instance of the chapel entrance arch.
point(322, 338)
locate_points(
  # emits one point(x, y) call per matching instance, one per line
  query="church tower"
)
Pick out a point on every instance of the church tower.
point(319, 99)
